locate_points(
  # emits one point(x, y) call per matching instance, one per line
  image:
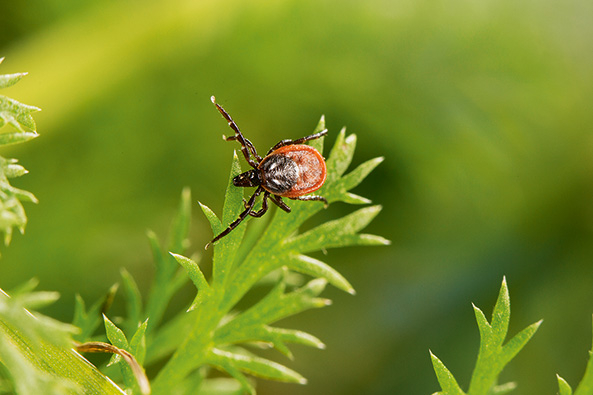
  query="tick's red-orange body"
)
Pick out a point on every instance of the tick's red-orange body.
point(290, 169)
point(302, 167)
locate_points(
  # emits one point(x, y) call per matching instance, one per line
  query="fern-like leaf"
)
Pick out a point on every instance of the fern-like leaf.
point(36, 351)
point(216, 335)
point(585, 387)
point(18, 115)
point(493, 355)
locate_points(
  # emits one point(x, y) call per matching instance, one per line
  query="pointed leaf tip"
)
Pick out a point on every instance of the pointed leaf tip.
point(563, 387)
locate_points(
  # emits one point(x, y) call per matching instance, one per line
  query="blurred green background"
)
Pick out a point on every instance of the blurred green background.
point(483, 110)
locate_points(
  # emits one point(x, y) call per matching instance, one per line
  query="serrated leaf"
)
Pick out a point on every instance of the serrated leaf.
point(168, 276)
point(116, 337)
point(37, 300)
point(37, 352)
point(337, 233)
point(240, 377)
point(501, 314)
point(256, 366)
point(133, 373)
point(483, 325)
point(503, 388)
point(563, 387)
point(7, 80)
point(445, 378)
point(341, 155)
point(26, 287)
point(356, 176)
point(89, 321)
point(493, 356)
point(215, 223)
point(316, 268)
point(167, 339)
point(227, 247)
point(178, 235)
point(13, 170)
point(17, 114)
point(585, 387)
point(18, 137)
point(515, 345)
point(18, 193)
point(196, 276)
point(352, 198)
point(212, 326)
point(138, 342)
point(133, 301)
point(12, 213)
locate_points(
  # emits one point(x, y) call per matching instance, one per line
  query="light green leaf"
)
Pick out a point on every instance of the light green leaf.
point(256, 366)
point(17, 114)
point(585, 387)
point(316, 268)
point(12, 213)
point(212, 325)
point(168, 276)
point(133, 301)
point(166, 340)
point(563, 387)
point(7, 80)
point(196, 276)
point(178, 236)
point(501, 314)
point(446, 379)
point(8, 138)
point(355, 177)
point(89, 321)
point(493, 356)
point(116, 337)
point(515, 345)
point(341, 155)
point(338, 233)
point(224, 253)
point(251, 325)
point(138, 343)
point(37, 353)
point(503, 388)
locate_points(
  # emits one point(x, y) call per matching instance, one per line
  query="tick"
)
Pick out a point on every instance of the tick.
point(289, 169)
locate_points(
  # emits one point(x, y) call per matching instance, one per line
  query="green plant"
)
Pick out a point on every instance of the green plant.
point(217, 335)
point(493, 355)
point(18, 115)
point(585, 387)
point(214, 331)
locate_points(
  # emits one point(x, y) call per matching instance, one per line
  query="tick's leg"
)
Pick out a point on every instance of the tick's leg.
point(311, 197)
point(264, 206)
point(297, 141)
point(246, 146)
point(278, 201)
point(236, 222)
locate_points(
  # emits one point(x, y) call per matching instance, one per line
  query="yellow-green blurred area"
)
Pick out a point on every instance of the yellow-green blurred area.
point(482, 109)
